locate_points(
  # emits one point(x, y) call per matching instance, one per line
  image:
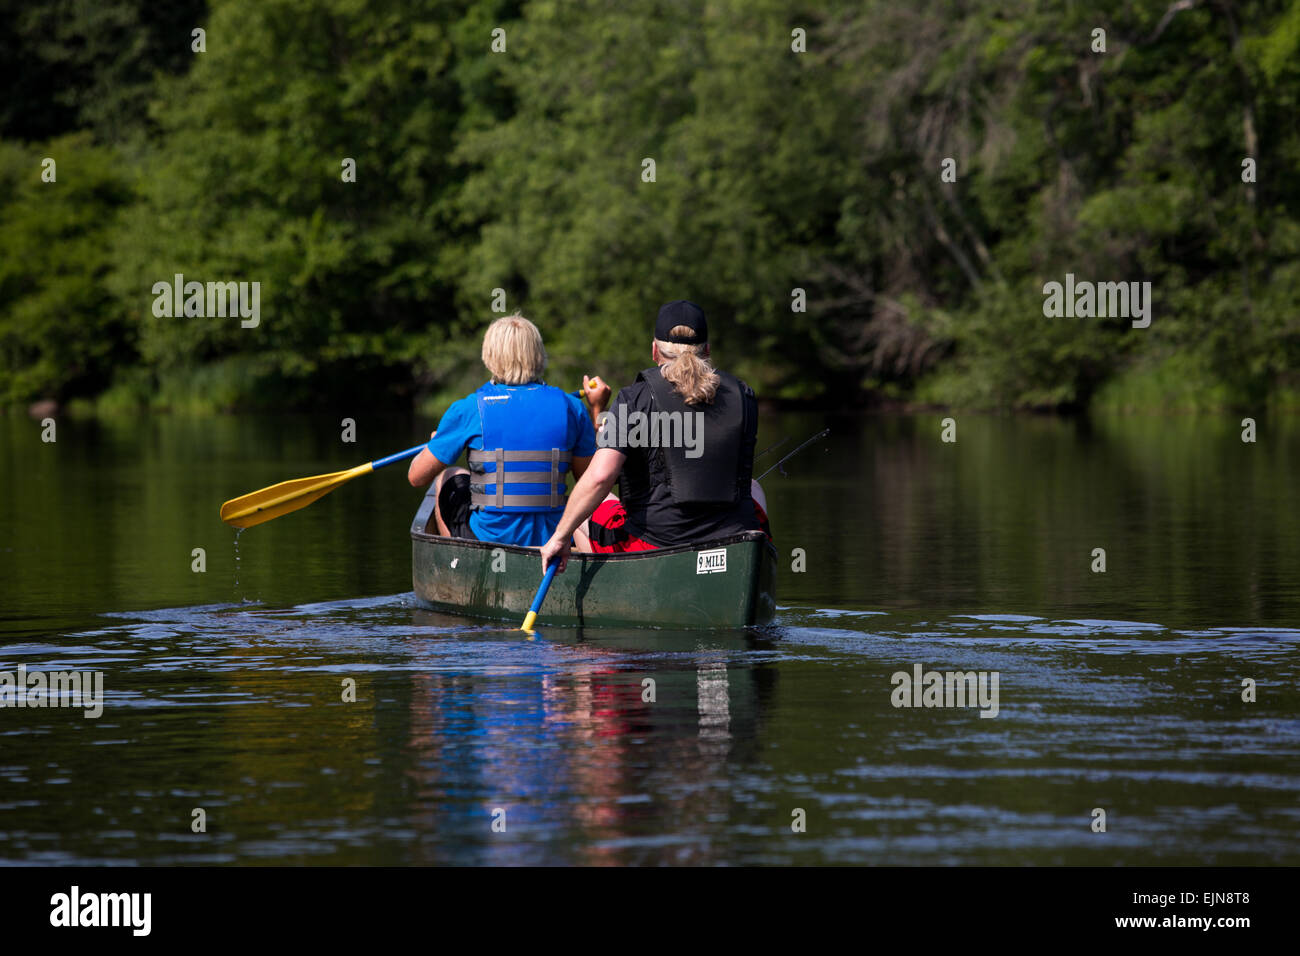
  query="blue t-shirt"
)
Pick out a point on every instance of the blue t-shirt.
point(461, 428)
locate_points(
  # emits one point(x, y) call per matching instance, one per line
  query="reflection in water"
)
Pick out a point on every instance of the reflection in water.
point(714, 706)
point(564, 748)
point(453, 721)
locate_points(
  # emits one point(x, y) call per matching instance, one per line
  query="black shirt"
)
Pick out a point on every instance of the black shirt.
point(651, 513)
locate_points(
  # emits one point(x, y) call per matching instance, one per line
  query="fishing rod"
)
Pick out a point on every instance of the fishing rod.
point(775, 444)
point(820, 434)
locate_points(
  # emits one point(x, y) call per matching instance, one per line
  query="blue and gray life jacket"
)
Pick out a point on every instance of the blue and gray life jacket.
point(525, 452)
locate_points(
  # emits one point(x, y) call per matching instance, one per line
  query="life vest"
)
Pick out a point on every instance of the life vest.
point(718, 476)
point(525, 452)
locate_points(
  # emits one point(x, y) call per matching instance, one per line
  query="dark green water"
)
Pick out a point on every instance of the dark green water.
point(1118, 690)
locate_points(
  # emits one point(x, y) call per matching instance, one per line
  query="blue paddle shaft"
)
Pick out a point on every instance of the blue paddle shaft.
point(400, 456)
point(546, 586)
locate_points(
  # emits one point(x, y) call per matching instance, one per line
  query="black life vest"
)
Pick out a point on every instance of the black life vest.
point(719, 474)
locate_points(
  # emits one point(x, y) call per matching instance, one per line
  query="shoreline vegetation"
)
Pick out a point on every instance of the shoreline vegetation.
point(871, 199)
point(1137, 392)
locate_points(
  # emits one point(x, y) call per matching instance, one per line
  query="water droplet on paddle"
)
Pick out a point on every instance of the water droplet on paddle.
point(238, 532)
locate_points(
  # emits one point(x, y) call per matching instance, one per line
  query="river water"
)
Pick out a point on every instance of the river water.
point(1118, 691)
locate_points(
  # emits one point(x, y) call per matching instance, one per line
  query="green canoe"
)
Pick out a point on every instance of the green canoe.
point(726, 583)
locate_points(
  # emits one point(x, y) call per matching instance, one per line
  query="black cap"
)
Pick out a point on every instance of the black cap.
point(681, 312)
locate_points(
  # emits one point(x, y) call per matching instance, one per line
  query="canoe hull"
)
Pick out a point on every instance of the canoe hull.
point(726, 583)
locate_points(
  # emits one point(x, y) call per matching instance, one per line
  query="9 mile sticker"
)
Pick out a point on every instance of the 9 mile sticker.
point(708, 562)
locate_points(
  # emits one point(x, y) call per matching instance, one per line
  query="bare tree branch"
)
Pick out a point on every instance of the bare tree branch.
point(1173, 11)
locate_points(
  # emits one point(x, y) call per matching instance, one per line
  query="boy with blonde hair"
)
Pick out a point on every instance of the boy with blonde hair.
point(522, 435)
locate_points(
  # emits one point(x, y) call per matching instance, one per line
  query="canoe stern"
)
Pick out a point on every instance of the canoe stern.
point(726, 583)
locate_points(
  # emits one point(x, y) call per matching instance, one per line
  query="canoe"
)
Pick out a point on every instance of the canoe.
point(730, 582)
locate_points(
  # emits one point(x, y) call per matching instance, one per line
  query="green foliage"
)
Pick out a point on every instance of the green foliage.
point(1140, 178)
point(248, 186)
point(89, 65)
point(61, 331)
point(774, 171)
point(571, 230)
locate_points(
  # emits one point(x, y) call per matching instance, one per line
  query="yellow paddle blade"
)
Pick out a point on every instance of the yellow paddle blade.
point(259, 506)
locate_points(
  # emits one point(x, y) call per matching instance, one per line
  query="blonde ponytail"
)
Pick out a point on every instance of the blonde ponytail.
point(689, 372)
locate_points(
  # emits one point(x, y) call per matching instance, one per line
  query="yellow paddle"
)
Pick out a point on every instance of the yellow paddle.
point(259, 506)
